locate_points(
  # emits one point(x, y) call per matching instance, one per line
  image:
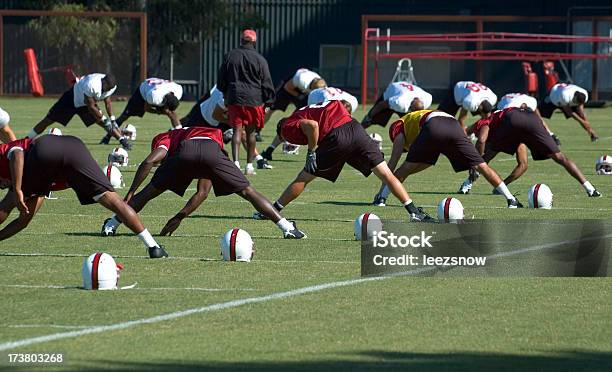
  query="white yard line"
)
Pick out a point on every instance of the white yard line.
point(253, 300)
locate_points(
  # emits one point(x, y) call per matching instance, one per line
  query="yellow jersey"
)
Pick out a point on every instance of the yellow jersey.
point(412, 126)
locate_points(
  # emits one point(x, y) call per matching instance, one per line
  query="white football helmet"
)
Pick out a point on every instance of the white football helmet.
point(450, 210)
point(290, 148)
point(119, 157)
point(366, 225)
point(378, 139)
point(100, 272)
point(237, 245)
point(129, 132)
point(540, 196)
point(55, 131)
point(604, 165)
point(345, 96)
point(114, 176)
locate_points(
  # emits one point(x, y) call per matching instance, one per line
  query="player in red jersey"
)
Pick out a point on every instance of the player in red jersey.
point(194, 153)
point(513, 130)
point(335, 138)
point(33, 168)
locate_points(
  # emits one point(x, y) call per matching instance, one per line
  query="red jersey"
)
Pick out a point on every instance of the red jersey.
point(171, 139)
point(492, 121)
point(329, 115)
point(6, 149)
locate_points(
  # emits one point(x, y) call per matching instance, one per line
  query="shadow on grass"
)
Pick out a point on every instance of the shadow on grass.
point(378, 360)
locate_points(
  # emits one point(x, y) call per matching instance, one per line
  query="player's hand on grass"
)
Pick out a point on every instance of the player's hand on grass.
point(20, 202)
point(311, 162)
point(171, 226)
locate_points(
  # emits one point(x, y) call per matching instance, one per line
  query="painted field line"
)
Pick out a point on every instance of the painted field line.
point(68, 255)
point(260, 299)
point(45, 326)
point(35, 286)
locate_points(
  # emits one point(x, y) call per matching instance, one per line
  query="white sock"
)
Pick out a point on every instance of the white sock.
point(249, 166)
point(588, 187)
point(284, 225)
point(407, 202)
point(32, 134)
point(113, 222)
point(385, 192)
point(503, 189)
point(237, 163)
point(147, 239)
point(551, 133)
point(258, 157)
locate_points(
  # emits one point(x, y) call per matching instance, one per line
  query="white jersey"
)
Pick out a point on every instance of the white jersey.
point(470, 95)
point(321, 95)
point(563, 94)
point(208, 106)
point(303, 78)
point(153, 90)
point(401, 94)
point(5, 118)
point(90, 86)
point(517, 100)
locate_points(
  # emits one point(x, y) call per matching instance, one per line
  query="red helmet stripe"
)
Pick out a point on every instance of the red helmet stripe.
point(94, 270)
point(364, 226)
point(447, 207)
point(535, 195)
point(109, 168)
point(233, 244)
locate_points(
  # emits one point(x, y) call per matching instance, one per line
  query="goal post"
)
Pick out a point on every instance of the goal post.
point(17, 37)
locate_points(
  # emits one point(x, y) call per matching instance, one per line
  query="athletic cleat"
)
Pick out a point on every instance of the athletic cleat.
point(105, 140)
point(267, 154)
point(108, 230)
point(295, 233)
point(263, 164)
point(514, 203)
point(379, 201)
point(465, 187)
point(595, 194)
point(421, 216)
point(157, 252)
point(259, 216)
point(556, 139)
point(594, 138)
point(250, 171)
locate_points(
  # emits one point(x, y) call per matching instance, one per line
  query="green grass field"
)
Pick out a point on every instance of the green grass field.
point(550, 324)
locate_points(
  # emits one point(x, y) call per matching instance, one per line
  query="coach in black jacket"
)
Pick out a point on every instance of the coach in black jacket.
point(244, 78)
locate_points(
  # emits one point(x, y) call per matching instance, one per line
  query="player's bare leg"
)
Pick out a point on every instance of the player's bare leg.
point(295, 188)
point(267, 154)
point(267, 211)
point(572, 169)
point(495, 180)
point(262, 163)
point(251, 145)
point(112, 201)
point(236, 142)
point(136, 203)
point(40, 127)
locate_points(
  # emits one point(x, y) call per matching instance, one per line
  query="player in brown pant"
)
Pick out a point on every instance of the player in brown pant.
point(34, 168)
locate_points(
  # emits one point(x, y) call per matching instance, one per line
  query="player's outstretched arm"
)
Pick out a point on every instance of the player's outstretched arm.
point(483, 135)
point(16, 161)
point(155, 157)
point(462, 116)
point(109, 107)
point(521, 164)
point(21, 222)
point(6, 134)
point(93, 109)
point(194, 202)
point(174, 120)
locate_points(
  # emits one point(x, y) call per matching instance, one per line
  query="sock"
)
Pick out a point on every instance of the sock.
point(385, 192)
point(284, 225)
point(249, 166)
point(32, 134)
point(410, 207)
point(237, 163)
point(588, 187)
point(146, 237)
point(278, 206)
point(503, 189)
point(258, 157)
point(551, 133)
point(114, 222)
